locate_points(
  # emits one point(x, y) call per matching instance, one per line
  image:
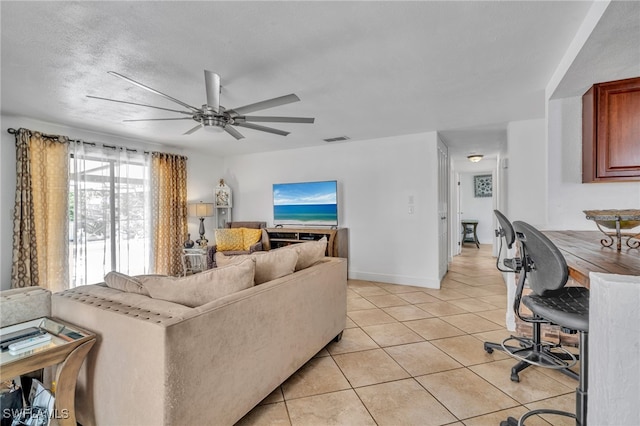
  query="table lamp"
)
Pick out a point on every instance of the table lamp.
point(201, 210)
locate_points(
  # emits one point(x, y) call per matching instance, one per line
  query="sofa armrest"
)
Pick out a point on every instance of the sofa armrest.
point(24, 304)
point(211, 256)
point(256, 247)
point(266, 242)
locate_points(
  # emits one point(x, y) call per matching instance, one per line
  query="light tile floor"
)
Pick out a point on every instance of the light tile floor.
point(414, 356)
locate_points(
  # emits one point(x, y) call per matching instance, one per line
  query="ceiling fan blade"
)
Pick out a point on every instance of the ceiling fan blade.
point(269, 103)
point(160, 119)
point(188, 132)
point(263, 128)
point(212, 83)
point(152, 90)
point(143, 105)
point(264, 119)
point(233, 132)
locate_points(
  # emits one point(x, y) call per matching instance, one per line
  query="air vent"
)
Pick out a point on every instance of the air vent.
point(339, 138)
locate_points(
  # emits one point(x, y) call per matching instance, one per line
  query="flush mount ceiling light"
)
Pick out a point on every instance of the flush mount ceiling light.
point(474, 158)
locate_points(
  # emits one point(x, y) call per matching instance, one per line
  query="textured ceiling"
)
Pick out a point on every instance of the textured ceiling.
point(362, 69)
point(612, 51)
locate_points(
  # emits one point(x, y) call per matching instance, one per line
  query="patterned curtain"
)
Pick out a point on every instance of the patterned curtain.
point(40, 225)
point(168, 211)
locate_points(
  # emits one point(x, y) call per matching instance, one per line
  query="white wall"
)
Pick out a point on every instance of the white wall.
point(203, 172)
point(375, 180)
point(527, 172)
point(7, 195)
point(476, 208)
point(568, 196)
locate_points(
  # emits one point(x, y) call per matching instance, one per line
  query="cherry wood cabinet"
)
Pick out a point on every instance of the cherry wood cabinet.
point(611, 132)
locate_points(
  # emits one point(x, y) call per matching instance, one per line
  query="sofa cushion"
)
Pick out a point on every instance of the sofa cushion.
point(309, 252)
point(229, 239)
point(122, 282)
point(250, 237)
point(198, 289)
point(269, 264)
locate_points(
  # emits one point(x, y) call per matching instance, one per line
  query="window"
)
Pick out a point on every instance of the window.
point(108, 213)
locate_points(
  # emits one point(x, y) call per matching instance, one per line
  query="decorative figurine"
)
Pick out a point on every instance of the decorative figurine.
point(223, 195)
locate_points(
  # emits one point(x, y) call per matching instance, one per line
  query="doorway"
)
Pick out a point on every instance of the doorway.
point(469, 204)
point(476, 204)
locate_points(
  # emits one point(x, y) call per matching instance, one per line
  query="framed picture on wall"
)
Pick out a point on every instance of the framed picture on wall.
point(483, 186)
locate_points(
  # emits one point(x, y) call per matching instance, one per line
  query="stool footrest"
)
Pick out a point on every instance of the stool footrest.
point(544, 356)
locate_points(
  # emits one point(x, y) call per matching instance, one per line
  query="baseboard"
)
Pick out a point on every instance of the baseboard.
point(395, 279)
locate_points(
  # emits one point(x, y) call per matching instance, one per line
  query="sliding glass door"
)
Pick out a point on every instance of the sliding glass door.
point(108, 213)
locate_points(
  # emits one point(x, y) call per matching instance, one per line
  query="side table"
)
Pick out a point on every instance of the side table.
point(194, 260)
point(469, 231)
point(67, 349)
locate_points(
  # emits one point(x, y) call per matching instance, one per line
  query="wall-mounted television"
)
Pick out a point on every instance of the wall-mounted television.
point(306, 203)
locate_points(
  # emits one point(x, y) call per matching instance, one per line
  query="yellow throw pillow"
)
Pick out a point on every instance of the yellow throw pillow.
point(229, 239)
point(250, 237)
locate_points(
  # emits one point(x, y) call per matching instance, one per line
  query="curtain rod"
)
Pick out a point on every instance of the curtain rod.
point(13, 131)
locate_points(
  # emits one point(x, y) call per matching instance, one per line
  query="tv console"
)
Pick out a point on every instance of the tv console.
point(337, 239)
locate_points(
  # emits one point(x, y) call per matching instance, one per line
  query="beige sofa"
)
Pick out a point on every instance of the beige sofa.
point(162, 363)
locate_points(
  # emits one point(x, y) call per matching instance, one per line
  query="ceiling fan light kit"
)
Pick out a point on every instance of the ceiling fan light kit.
point(213, 128)
point(214, 117)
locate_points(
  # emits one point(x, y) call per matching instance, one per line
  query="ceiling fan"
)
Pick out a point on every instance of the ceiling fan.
point(214, 116)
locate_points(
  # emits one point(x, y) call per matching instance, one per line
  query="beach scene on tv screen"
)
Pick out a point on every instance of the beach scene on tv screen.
point(305, 203)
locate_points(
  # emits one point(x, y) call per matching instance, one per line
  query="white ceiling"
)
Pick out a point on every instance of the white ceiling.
point(612, 51)
point(362, 69)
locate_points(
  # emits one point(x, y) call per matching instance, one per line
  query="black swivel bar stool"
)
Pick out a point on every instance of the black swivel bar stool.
point(551, 301)
point(529, 351)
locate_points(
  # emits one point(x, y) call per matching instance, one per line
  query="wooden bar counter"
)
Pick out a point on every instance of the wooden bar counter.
point(584, 253)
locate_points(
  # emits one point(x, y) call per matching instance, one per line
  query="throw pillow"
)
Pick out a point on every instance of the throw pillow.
point(250, 237)
point(198, 289)
point(122, 282)
point(269, 264)
point(309, 252)
point(229, 239)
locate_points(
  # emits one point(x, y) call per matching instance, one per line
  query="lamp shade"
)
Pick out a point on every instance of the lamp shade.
point(200, 209)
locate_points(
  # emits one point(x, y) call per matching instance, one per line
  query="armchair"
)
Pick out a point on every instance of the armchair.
point(262, 244)
point(24, 304)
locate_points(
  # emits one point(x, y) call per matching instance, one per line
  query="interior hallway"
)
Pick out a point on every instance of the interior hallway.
point(414, 356)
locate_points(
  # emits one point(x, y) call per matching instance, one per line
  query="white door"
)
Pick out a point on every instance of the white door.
point(443, 208)
point(458, 218)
